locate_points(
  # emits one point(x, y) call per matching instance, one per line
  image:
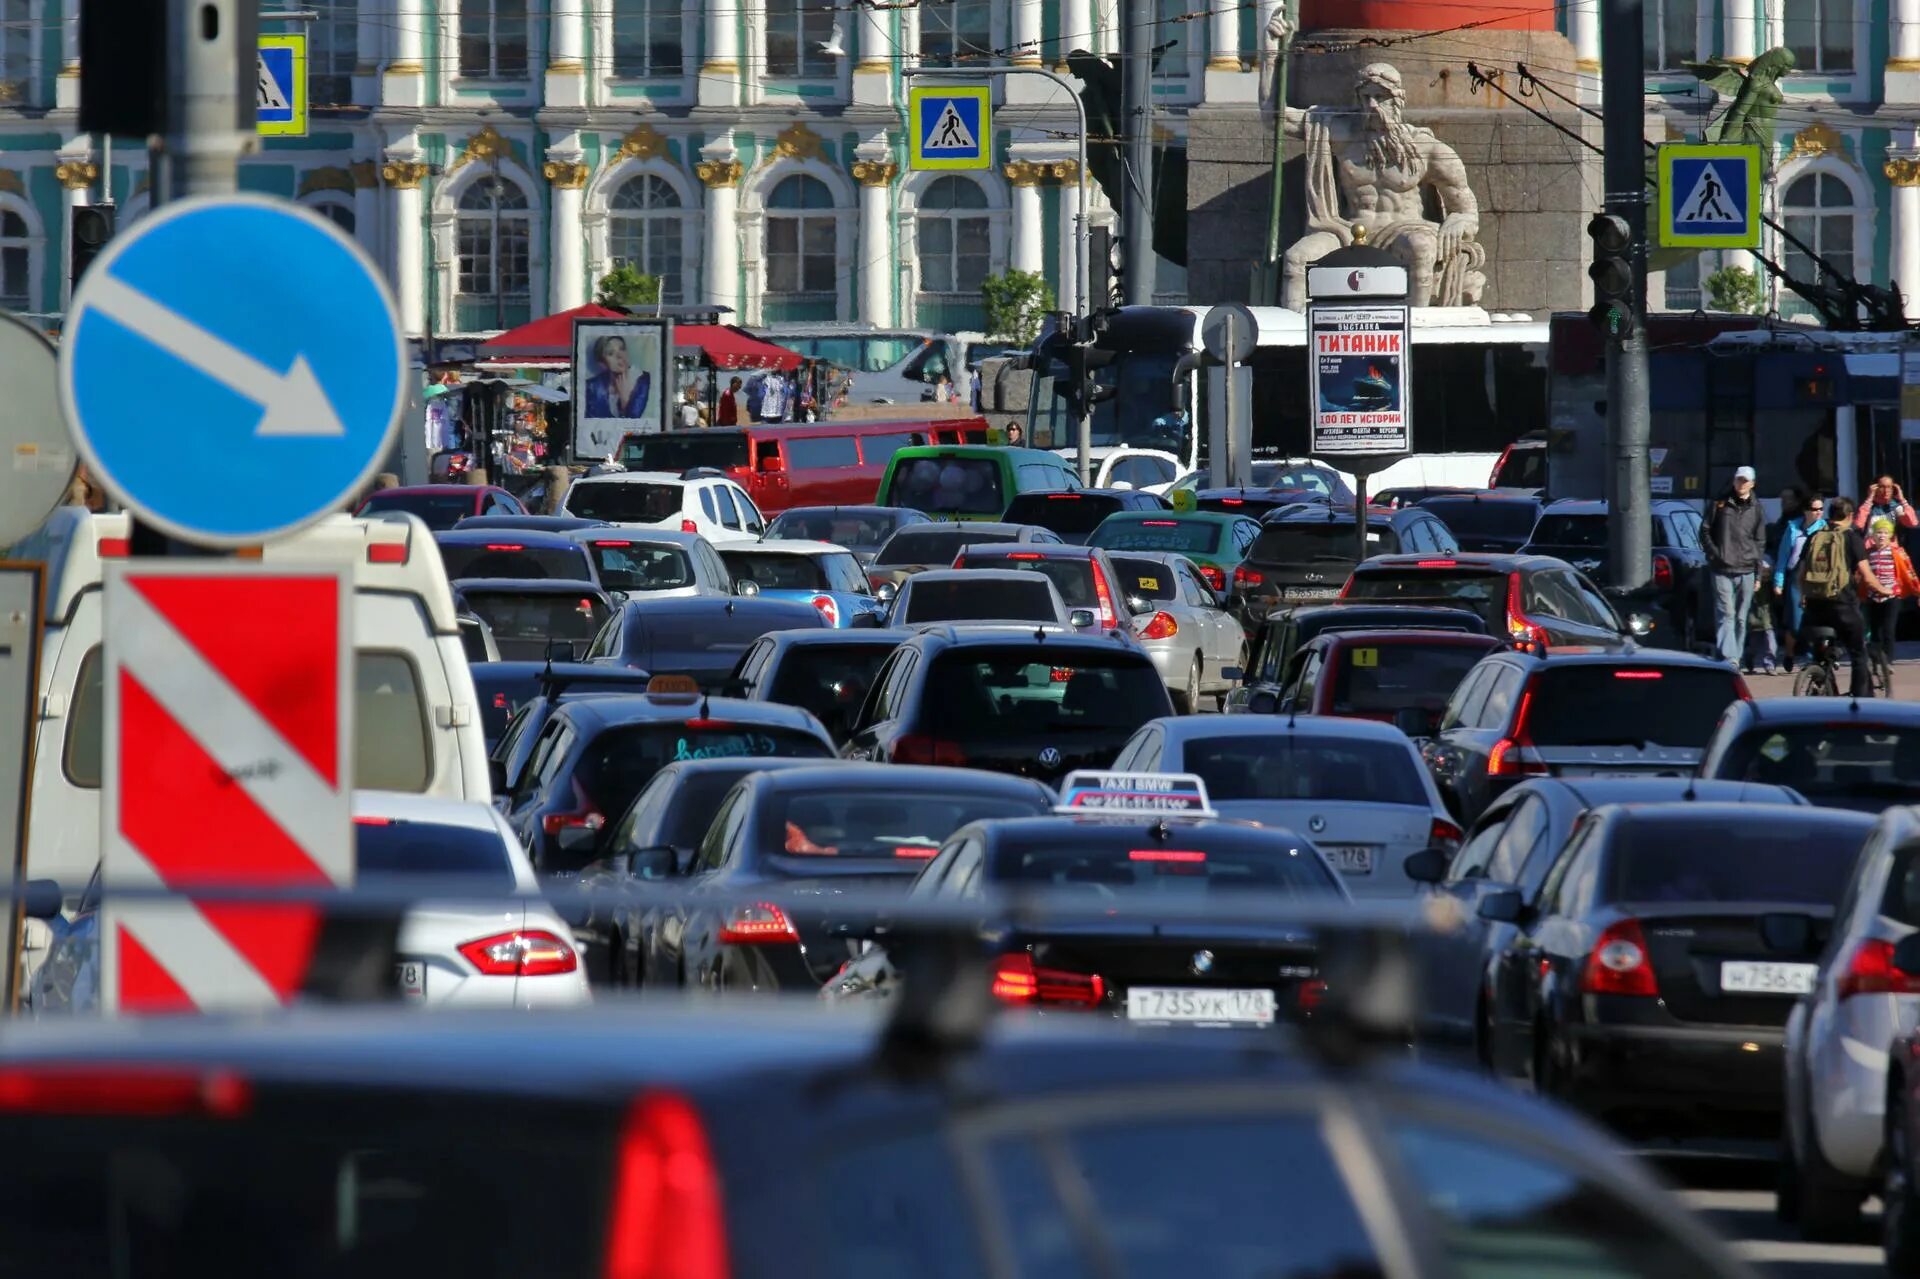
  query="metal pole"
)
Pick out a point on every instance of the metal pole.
point(1360, 515)
point(204, 142)
point(1136, 113)
point(1629, 425)
point(1279, 158)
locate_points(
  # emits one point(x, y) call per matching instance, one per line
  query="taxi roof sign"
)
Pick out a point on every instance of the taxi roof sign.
point(1175, 794)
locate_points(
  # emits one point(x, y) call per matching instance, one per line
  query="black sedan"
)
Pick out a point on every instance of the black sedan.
point(1278, 642)
point(528, 616)
point(826, 672)
point(504, 687)
point(1651, 985)
point(1837, 752)
point(700, 636)
point(798, 833)
point(1486, 521)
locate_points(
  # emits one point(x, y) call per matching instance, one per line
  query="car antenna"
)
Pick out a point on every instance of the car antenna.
point(1039, 634)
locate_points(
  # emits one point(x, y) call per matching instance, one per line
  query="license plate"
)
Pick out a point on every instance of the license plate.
point(1212, 1007)
point(1744, 977)
point(1310, 592)
point(410, 978)
point(1350, 859)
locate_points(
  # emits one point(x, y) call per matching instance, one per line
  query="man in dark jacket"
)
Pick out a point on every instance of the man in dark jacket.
point(1736, 546)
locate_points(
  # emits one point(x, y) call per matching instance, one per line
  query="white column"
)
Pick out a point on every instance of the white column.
point(872, 77)
point(875, 176)
point(566, 75)
point(1225, 80)
point(1106, 26)
point(66, 88)
point(1026, 252)
point(1903, 61)
point(567, 273)
point(369, 46)
point(1584, 17)
point(402, 177)
point(720, 170)
point(405, 81)
point(720, 73)
point(1026, 32)
point(1067, 263)
point(1904, 172)
point(1076, 30)
point(1741, 32)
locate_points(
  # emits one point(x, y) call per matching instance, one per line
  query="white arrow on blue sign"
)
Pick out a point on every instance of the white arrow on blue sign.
point(232, 369)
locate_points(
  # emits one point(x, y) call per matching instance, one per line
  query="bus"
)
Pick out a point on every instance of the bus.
point(1479, 383)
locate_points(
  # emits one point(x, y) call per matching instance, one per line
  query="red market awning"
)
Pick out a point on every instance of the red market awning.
point(548, 338)
point(725, 347)
point(549, 341)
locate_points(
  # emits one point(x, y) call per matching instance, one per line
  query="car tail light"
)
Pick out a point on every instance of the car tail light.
point(1662, 572)
point(1619, 963)
point(367, 819)
point(123, 1090)
point(1444, 834)
point(505, 546)
point(827, 608)
point(1160, 626)
point(1214, 577)
point(1438, 564)
point(1059, 674)
point(114, 548)
point(688, 526)
point(1870, 971)
point(918, 748)
point(527, 952)
point(1244, 577)
point(1103, 599)
point(1310, 994)
point(1160, 523)
point(554, 823)
point(1513, 755)
point(915, 852)
point(500, 702)
point(1524, 632)
point(664, 1220)
point(1017, 981)
point(761, 924)
point(1233, 501)
point(1740, 689)
point(387, 553)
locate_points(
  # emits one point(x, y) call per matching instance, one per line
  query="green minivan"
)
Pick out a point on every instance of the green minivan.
point(971, 481)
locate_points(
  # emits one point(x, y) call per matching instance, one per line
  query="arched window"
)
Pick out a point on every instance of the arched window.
point(1818, 211)
point(802, 266)
point(643, 229)
point(16, 261)
point(954, 237)
point(337, 211)
point(492, 241)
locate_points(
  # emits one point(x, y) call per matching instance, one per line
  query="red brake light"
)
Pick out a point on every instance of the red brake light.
point(915, 852)
point(1214, 577)
point(664, 1220)
point(918, 748)
point(500, 702)
point(826, 606)
point(387, 553)
point(1662, 572)
point(531, 952)
point(554, 823)
point(115, 548)
point(1160, 626)
point(505, 546)
point(1024, 555)
point(1513, 755)
point(688, 526)
point(123, 1090)
point(1619, 963)
point(1638, 675)
point(1160, 523)
point(1233, 501)
point(1244, 576)
point(1438, 564)
point(1063, 497)
point(1103, 599)
point(1444, 834)
point(366, 820)
point(1165, 855)
point(1871, 972)
point(597, 542)
point(1017, 981)
point(760, 924)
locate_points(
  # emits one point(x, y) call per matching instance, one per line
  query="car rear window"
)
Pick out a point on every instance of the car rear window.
point(975, 692)
point(1074, 513)
point(1312, 541)
point(1581, 532)
point(1846, 761)
point(1771, 857)
point(438, 511)
point(937, 544)
point(622, 759)
point(1146, 579)
point(396, 847)
point(842, 528)
point(1306, 479)
point(625, 502)
point(1478, 589)
point(893, 825)
point(547, 615)
point(1522, 468)
point(508, 558)
point(1073, 578)
point(773, 571)
point(947, 486)
point(671, 452)
point(1617, 705)
point(1382, 678)
point(1165, 867)
point(631, 567)
point(826, 680)
point(1305, 766)
point(987, 599)
point(1249, 506)
point(1188, 537)
point(1901, 901)
point(1464, 515)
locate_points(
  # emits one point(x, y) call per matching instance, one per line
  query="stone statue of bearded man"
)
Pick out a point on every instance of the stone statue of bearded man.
point(1367, 174)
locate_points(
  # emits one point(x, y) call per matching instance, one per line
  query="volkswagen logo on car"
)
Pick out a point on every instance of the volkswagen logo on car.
point(1050, 757)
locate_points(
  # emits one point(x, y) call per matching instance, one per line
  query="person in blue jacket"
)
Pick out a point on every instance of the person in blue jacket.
point(1786, 585)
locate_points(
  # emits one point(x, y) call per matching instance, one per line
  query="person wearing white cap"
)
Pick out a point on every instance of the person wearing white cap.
point(1736, 544)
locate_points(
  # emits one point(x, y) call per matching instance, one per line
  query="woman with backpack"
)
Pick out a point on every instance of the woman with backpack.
point(1786, 585)
point(1832, 565)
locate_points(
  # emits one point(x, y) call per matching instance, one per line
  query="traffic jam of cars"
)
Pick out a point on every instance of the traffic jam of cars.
point(1238, 885)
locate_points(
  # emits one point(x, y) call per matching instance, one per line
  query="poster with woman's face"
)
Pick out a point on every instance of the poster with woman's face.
point(620, 383)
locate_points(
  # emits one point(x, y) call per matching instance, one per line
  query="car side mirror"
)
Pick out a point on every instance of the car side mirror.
point(1502, 906)
point(746, 586)
point(1264, 702)
point(497, 776)
point(656, 862)
point(1081, 618)
point(42, 899)
point(1640, 625)
point(885, 592)
point(1428, 866)
point(1906, 954)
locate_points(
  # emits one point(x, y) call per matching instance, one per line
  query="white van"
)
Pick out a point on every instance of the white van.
point(416, 716)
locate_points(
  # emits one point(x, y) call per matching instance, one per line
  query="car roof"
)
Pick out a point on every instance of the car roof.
point(968, 526)
point(1478, 495)
point(1611, 657)
point(1044, 550)
point(1328, 513)
point(1185, 517)
point(1016, 576)
point(1002, 635)
point(675, 708)
point(1825, 710)
point(1598, 505)
point(785, 546)
point(697, 606)
point(868, 509)
point(1059, 827)
point(741, 764)
point(636, 536)
point(1715, 812)
point(1591, 792)
point(1180, 728)
point(826, 778)
point(537, 538)
point(527, 586)
point(530, 522)
point(1076, 494)
point(1360, 608)
point(835, 637)
point(509, 672)
point(643, 477)
point(425, 490)
point(1013, 452)
point(471, 814)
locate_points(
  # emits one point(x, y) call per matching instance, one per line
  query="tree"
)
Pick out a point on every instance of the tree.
point(1015, 303)
point(628, 285)
point(1735, 289)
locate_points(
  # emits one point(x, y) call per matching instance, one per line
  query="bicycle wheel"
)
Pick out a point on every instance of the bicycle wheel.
point(1814, 680)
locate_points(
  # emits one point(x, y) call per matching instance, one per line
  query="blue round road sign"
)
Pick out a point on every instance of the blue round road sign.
point(232, 368)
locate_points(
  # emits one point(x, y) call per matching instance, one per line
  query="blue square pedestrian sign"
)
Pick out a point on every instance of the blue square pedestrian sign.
point(1709, 196)
point(282, 96)
point(950, 127)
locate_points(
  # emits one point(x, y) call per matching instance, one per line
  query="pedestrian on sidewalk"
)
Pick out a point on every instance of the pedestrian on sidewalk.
point(1893, 580)
point(1735, 543)
point(1795, 531)
point(1885, 501)
point(728, 413)
point(1832, 566)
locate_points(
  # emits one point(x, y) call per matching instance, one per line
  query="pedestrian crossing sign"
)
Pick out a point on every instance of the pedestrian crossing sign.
point(281, 99)
point(1709, 196)
point(950, 127)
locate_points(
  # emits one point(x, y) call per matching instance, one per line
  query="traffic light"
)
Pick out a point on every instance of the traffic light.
point(89, 228)
point(1612, 275)
point(1084, 360)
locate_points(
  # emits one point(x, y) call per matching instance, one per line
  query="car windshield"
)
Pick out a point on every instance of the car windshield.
point(623, 759)
point(947, 485)
point(979, 599)
point(1771, 857)
point(1073, 578)
point(827, 680)
point(400, 848)
point(1251, 505)
point(891, 824)
point(674, 452)
point(538, 617)
point(1477, 589)
point(850, 529)
point(1843, 760)
point(1146, 579)
point(986, 692)
point(507, 558)
point(1468, 517)
point(438, 511)
point(632, 567)
point(1314, 541)
point(1580, 532)
point(1188, 537)
point(625, 501)
point(1305, 766)
point(776, 571)
point(1070, 513)
point(1186, 862)
point(1379, 679)
point(932, 544)
point(1616, 705)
